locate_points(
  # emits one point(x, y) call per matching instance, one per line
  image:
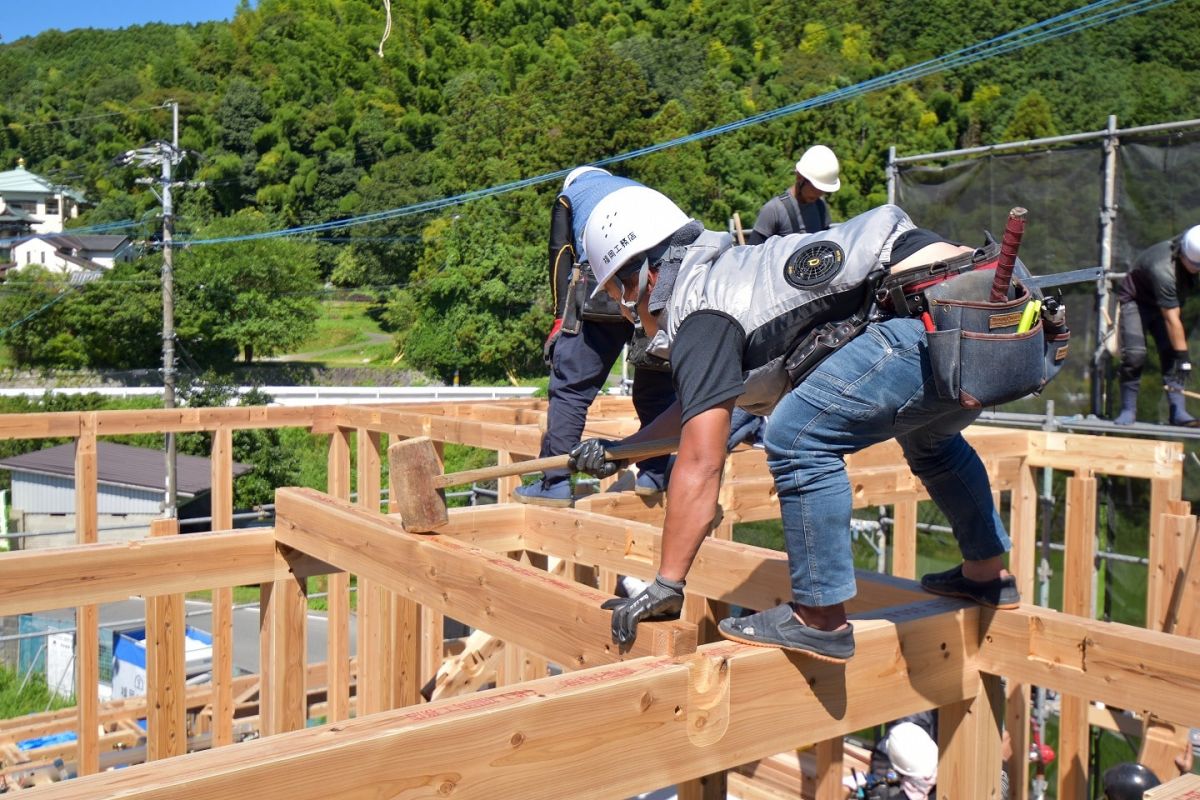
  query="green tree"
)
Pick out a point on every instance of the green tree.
point(477, 303)
point(29, 312)
point(256, 295)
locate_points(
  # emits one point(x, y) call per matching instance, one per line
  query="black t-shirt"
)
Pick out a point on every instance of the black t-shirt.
point(706, 361)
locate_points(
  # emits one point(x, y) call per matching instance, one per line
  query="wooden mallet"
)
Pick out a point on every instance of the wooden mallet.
point(419, 488)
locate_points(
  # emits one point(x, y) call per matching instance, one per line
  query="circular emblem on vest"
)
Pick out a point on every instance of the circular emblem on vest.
point(813, 264)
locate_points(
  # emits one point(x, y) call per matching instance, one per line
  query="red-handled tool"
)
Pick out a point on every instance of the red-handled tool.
point(1009, 244)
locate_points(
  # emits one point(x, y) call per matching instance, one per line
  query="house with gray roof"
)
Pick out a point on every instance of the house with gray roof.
point(131, 485)
point(47, 204)
point(68, 253)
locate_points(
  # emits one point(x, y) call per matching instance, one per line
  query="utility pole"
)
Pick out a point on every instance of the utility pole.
point(170, 509)
point(166, 155)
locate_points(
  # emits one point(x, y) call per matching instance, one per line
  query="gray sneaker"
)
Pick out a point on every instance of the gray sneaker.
point(540, 493)
point(778, 627)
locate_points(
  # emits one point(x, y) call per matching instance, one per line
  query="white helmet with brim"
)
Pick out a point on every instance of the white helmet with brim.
point(626, 224)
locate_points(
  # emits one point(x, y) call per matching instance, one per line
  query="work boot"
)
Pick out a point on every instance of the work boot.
point(1129, 397)
point(554, 493)
point(1177, 405)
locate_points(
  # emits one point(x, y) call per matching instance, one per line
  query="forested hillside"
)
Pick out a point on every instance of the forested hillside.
point(297, 120)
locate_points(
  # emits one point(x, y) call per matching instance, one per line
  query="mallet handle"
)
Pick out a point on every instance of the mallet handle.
point(619, 452)
point(1014, 229)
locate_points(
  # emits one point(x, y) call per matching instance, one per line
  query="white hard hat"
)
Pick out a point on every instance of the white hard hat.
point(911, 751)
point(820, 166)
point(575, 173)
point(626, 223)
point(1189, 244)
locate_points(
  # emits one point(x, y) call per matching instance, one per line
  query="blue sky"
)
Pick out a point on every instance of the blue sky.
point(29, 17)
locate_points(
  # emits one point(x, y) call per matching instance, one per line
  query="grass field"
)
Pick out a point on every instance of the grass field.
point(346, 336)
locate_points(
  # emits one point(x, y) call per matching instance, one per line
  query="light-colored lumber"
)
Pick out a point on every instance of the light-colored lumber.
point(283, 617)
point(1185, 787)
point(1114, 455)
point(484, 590)
point(338, 589)
point(707, 712)
point(1078, 571)
point(969, 744)
point(830, 755)
point(87, 619)
point(904, 539)
point(752, 577)
point(38, 580)
point(1119, 665)
point(222, 666)
point(166, 667)
point(1163, 741)
point(469, 670)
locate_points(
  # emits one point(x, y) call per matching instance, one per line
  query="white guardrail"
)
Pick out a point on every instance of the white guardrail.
point(315, 395)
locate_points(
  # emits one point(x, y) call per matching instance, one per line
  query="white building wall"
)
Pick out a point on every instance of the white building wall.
point(33, 493)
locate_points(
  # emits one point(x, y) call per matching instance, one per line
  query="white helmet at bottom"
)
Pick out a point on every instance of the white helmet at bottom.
point(911, 750)
point(625, 224)
point(1189, 244)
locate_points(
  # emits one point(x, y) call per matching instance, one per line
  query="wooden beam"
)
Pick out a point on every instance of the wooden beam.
point(1119, 665)
point(707, 712)
point(741, 574)
point(38, 580)
point(484, 590)
point(166, 666)
point(1106, 455)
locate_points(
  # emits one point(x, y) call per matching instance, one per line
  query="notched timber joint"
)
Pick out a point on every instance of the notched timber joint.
point(708, 699)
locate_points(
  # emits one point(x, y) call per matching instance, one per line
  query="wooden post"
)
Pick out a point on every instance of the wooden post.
point(87, 620)
point(1163, 491)
point(166, 667)
point(506, 486)
point(375, 677)
point(283, 614)
point(338, 593)
point(406, 640)
point(904, 539)
point(222, 597)
point(1078, 569)
point(969, 744)
point(1022, 529)
point(830, 759)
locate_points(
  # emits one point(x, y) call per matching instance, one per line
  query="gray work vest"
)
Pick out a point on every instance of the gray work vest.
point(778, 291)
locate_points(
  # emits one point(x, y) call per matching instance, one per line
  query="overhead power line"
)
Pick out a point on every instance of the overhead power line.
point(1089, 16)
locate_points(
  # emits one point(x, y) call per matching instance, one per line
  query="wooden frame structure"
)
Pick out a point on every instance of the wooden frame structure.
point(678, 707)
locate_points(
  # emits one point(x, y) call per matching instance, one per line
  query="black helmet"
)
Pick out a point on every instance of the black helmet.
point(1127, 781)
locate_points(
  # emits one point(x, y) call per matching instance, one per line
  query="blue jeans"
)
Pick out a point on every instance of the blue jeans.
point(876, 387)
point(579, 366)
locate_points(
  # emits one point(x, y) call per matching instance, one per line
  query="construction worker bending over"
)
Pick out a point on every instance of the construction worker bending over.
point(1152, 297)
point(588, 335)
point(737, 325)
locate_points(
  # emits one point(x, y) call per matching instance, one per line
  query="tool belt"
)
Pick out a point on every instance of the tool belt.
point(581, 305)
point(640, 357)
point(981, 353)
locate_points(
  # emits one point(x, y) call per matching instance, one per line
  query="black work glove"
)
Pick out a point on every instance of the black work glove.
point(589, 456)
point(662, 599)
point(1181, 369)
